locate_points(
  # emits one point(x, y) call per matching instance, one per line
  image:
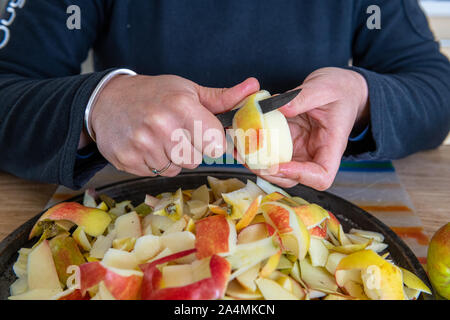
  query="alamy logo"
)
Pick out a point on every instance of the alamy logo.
point(74, 20)
point(374, 20)
point(9, 18)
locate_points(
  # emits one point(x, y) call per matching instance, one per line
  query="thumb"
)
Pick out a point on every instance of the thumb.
point(218, 100)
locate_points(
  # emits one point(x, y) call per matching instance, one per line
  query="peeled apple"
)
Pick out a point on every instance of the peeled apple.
point(262, 140)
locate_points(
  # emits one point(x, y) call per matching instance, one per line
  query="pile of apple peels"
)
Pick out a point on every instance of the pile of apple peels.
point(227, 241)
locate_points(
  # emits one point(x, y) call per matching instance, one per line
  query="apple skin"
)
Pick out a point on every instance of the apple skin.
point(438, 261)
point(65, 253)
point(319, 231)
point(333, 224)
point(122, 287)
point(91, 274)
point(206, 289)
point(213, 236)
point(74, 295)
point(94, 221)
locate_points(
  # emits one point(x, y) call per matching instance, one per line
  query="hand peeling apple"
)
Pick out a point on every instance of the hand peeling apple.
point(228, 240)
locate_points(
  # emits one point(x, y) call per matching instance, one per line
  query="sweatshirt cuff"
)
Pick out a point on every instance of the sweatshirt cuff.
point(360, 136)
point(365, 146)
point(69, 170)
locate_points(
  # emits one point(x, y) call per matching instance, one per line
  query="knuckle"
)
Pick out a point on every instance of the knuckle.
point(140, 139)
point(180, 101)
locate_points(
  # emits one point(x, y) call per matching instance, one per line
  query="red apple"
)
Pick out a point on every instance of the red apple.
point(214, 234)
point(94, 221)
point(123, 284)
point(209, 288)
point(91, 274)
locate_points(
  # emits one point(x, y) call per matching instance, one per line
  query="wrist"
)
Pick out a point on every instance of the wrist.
point(94, 98)
point(363, 111)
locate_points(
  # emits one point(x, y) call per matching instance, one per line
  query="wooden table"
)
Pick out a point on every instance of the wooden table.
point(426, 176)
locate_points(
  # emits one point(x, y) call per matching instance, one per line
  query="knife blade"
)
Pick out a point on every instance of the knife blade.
point(267, 105)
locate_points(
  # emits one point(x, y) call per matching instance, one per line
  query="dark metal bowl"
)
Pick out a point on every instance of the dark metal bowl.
point(135, 190)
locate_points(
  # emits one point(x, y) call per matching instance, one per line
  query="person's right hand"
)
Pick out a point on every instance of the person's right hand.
point(135, 116)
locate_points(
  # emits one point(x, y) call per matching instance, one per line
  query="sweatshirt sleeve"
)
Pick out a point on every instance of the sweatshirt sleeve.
point(408, 80)
point(42, 95)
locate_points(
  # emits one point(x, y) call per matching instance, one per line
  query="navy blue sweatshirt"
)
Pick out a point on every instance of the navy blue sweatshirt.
point(214, 43)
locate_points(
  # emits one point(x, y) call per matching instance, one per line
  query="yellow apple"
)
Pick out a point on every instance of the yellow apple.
point(438, 261)
point(94, 221)
point(381, 279)
point(262, 140)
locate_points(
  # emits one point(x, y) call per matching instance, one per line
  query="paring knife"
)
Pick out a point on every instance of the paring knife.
point(267, 105)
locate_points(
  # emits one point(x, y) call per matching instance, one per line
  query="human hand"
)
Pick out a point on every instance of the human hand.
point(135, 117)
point(332, 102)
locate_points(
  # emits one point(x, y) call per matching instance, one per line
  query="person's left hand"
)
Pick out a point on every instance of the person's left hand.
point(332, 102)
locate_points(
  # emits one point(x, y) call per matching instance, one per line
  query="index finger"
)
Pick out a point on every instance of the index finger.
point(313, 95)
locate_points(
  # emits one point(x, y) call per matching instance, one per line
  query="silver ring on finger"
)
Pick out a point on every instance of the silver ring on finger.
point(159, 172)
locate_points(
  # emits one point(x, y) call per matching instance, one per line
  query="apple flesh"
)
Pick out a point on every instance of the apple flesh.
point(128, 226)
point(438, 261)
point(316, 278)
point(249, 254)
point(224, 186)
point(146, 247)
point(42, 273)
point(253, 232)
point(178, 242)
point(94, 221)
point(262, 140)
point(247, 279)
point(171, 206)
point(120, 259)
point(237, 291)
point(271, 290)
point(240, 200)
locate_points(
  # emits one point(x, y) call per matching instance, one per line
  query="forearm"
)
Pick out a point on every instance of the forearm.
point(42, 122)
point(409, 112)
